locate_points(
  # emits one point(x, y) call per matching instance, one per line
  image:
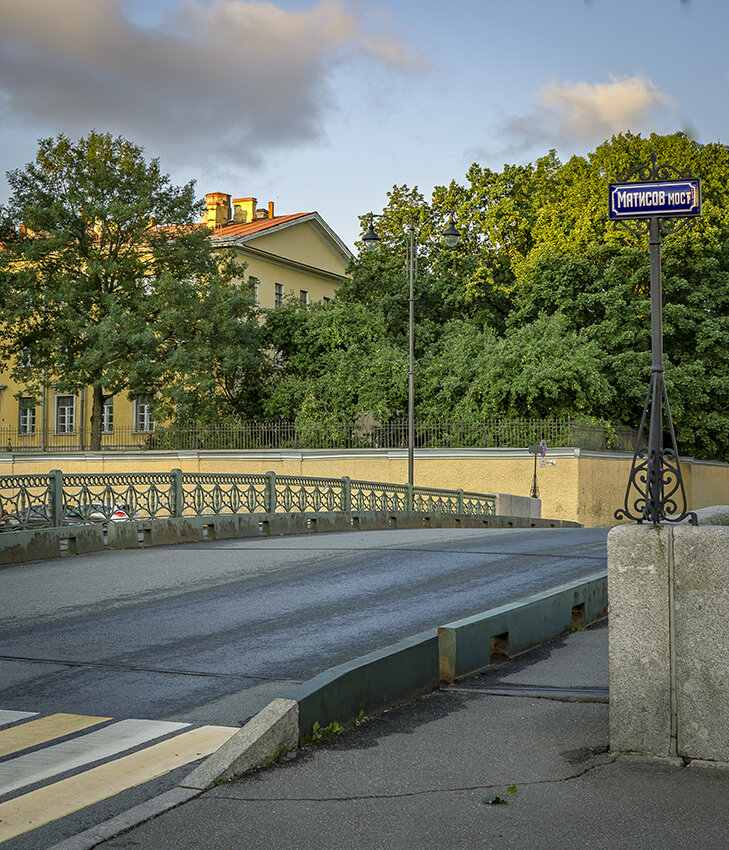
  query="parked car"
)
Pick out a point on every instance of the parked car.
point(99, 512)
point(36, 516)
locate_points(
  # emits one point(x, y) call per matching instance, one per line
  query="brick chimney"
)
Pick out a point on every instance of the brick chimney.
point(217, 209)
point(244, 209)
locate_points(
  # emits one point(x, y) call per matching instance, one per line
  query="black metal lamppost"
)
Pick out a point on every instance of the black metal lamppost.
point(659, 200)
point(450, 236)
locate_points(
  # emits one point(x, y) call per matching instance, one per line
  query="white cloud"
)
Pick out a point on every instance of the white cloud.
point(220, 81)
point(575, 114)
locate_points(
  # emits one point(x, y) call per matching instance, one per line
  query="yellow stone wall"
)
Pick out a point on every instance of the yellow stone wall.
point(303, 244)
point(585, 487)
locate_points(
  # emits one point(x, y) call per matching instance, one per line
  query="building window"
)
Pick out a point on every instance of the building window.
point(325, 300)
point(254, 284)
point(107, 415)
point(26, 416)
point(65, 414)
point(278, 295)
point(303, 297)
point(143, 421)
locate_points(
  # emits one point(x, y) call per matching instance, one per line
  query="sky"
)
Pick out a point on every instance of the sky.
point(326, 105)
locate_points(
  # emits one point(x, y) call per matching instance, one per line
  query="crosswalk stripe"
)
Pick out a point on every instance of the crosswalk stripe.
point(93, 746)
point(44, 729)
point(69, 795)
point(13, 716)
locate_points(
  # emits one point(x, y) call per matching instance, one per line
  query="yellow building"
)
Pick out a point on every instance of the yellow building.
point(296, 254)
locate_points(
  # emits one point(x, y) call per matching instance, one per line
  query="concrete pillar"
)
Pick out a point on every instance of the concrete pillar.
point(669, 640)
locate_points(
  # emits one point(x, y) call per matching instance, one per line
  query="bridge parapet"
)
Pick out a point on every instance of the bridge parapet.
point(57, 499)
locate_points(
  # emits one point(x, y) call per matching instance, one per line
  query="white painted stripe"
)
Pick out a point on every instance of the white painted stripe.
point(103, 743)
point(50, 802)
point(13, 716)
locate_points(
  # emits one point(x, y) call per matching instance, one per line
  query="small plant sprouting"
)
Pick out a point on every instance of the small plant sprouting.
point(511, 789)
point(331, 731)
point(277, 755)
point(361, 718)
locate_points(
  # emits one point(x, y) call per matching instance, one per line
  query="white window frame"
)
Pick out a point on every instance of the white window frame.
point(64, 422)
point(143, 422)
point(304, 297)
point(107, 415)
point(26, 417)
point(255, 285)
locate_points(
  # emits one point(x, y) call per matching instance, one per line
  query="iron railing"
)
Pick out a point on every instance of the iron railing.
point(54, 500)
point(241, 436)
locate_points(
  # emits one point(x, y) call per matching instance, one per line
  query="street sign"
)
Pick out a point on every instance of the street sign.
point(665, 199)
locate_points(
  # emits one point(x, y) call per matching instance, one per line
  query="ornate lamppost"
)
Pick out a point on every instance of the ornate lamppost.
point(658, 200)
point(413, 231)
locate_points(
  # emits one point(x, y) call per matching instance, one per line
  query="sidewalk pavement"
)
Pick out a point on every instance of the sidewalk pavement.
point(418, 775)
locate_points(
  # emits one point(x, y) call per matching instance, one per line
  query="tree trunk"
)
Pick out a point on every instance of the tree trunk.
point(96, 412)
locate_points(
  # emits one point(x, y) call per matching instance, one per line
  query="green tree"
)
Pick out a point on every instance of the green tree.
point(99, 250)
point(334, 361)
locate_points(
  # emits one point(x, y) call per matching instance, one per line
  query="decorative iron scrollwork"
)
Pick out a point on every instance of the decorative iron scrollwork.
point(655, 491)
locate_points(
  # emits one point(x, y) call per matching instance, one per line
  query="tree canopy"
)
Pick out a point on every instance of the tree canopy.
point(108, 282)
point(543, 310)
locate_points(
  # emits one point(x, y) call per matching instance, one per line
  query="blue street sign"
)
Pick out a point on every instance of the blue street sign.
point(667, 199)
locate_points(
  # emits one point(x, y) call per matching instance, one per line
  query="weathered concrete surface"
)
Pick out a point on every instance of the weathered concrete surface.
point(271, 732)
point(474, 643)
point(22, 546)
point(639, 647)
point(669, 639)
point(701, 637)
point(508, 504)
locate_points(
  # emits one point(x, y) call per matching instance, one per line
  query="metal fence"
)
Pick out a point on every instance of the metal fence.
point(488, 433)
point(54, 500)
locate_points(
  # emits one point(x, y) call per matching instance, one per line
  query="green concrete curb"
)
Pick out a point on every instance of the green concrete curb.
point(409, 668)
point(369, 684)
point(473, 644)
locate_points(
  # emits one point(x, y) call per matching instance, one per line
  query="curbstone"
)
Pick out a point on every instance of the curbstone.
point(371, 683)
point(273, 729)
point(471, 645)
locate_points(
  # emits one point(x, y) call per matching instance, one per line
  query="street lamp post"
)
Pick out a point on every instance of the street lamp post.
point(450, 236)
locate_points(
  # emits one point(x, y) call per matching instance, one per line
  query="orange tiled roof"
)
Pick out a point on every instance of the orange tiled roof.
point(234, 229)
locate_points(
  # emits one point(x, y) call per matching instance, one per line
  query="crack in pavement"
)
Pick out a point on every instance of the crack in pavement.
point(453, 790)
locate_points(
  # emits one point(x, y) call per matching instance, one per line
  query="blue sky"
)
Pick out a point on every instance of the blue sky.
point(326, 105)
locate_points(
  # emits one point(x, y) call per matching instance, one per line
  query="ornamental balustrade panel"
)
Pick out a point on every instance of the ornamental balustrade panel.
point(479, 504)
point(220, 493)
point(300, 493)
point(25, 502)
point(429, 500)
point(99, 497)
point(377, 496)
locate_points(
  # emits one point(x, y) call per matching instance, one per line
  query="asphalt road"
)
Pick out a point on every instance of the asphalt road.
point(211, 632)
